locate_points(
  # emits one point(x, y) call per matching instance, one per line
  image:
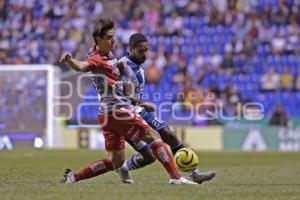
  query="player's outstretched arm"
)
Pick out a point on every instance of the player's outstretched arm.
point(73, 63)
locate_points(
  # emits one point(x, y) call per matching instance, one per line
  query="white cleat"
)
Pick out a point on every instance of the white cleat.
point(124, 175)
point(182, 181)
point(68, 177)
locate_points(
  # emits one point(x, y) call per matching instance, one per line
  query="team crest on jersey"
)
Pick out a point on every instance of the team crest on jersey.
point(112, 62)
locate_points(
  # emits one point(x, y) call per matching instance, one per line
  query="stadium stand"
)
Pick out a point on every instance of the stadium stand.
point(228, 43)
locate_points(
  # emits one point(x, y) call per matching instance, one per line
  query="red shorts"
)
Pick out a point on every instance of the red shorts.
point(119, 124)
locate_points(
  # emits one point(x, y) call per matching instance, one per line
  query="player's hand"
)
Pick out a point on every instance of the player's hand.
point(122, 65)
point(65, 58)
point(148, 107)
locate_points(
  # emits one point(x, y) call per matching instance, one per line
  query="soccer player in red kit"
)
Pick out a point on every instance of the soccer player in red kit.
point(116, 116)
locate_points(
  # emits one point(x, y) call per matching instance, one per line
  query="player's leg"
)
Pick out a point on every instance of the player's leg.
point(136, 129)
point(118, 158)
point(169, 137)
point(143, 157)
point(96, 168)
point(164, 156)
point(114, 145)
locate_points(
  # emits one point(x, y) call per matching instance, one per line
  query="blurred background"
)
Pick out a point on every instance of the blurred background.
point(225, 72)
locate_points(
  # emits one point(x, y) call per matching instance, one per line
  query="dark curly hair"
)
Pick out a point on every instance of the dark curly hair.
point(136, 38)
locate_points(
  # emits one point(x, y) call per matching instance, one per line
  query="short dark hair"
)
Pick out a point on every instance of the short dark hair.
point(102, 25)
point(136, 38)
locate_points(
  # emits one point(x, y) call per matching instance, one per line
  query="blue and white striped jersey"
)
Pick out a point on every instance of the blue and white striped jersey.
point(135, 75)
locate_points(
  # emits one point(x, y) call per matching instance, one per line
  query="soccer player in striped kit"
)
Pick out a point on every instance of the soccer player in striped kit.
point(132, 74)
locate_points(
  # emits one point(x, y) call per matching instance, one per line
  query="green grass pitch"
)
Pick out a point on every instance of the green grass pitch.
point(35, 174)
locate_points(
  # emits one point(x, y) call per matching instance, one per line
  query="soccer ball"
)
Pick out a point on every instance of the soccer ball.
point(186, 160)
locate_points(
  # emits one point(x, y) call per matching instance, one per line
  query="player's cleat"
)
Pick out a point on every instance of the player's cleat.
point(182, 181)
point(68, 177)
point(124, 175)
point(200, 177)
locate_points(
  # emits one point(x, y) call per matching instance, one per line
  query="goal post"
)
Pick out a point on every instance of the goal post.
point(27, 104)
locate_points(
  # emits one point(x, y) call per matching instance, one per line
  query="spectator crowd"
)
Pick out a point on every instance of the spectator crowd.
point(232, 48)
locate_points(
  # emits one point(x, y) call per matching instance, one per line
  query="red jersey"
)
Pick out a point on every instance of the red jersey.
point(107, 81)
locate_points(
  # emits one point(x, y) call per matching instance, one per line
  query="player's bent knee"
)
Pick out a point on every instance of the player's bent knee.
point(149, 160)
point(148, 157)
point(150, 136)
point(153, 134)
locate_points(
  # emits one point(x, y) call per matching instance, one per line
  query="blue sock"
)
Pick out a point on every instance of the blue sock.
point(180, 146)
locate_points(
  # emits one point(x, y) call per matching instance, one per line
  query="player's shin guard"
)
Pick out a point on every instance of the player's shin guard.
point(96, 168)
point(164, 156)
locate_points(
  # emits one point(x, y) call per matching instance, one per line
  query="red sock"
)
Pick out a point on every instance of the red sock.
point(162, 154)
point(96, 168)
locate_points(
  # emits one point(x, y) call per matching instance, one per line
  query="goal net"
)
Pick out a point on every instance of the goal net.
point(27, 105)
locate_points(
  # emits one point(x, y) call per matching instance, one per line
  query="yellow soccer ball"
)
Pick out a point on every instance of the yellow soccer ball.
point(186, 160)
